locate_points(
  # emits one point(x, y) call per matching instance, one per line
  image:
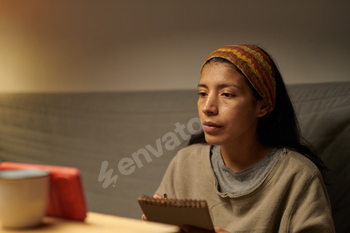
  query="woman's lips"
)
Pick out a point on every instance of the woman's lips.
point(210, 127)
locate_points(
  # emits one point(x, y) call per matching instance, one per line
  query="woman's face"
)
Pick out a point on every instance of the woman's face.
point(226, 105)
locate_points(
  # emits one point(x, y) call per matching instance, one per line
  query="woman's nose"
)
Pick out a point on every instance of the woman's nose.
point(210, 106)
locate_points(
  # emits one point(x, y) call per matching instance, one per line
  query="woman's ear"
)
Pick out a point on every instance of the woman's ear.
point(262, 108)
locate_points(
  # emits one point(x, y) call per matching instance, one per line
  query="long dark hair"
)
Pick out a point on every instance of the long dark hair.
point(280, 128)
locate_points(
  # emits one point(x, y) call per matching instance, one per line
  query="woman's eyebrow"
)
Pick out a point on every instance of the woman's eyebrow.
point(202, 85)
point(229, 85)
point(221, 85)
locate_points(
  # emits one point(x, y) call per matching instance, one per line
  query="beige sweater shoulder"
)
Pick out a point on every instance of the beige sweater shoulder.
point(291, 198)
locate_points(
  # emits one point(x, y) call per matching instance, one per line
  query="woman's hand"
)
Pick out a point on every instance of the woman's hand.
point(156, 196)
point(191, 229)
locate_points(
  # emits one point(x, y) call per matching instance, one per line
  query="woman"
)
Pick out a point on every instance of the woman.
point(249, 163)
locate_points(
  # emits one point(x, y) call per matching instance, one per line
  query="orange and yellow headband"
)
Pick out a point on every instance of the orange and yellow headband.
point(256, 66)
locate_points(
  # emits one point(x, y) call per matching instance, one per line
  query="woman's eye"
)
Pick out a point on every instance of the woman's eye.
point(228, 95)
point(201, 93)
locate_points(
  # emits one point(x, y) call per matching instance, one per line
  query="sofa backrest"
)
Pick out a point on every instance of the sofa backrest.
point(324, 114)
point(123, 142)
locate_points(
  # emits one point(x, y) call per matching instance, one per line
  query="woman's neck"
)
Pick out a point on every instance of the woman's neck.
point(239, 156)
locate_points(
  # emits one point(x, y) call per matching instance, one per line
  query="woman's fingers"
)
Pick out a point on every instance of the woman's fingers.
point(157, 196)
point(220, 230)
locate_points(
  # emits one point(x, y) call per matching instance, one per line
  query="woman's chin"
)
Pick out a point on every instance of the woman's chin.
point(213, 140)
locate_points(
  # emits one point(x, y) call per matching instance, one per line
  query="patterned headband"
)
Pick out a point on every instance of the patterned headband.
point(256, 67)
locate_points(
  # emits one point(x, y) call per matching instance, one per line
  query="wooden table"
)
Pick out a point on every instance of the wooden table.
point(100, 223)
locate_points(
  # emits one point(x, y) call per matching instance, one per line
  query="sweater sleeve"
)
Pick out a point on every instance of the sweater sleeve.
point(168, 181)
point(312, 210)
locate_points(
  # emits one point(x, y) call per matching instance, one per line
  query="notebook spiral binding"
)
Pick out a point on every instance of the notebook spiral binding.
point(180, 203)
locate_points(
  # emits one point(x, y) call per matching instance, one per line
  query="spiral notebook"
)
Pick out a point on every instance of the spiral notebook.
point(178, 212)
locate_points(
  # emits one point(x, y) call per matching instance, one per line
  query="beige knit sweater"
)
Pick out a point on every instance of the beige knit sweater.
point(291, 198)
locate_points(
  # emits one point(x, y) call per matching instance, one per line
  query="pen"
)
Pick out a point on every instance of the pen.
point(165, 196)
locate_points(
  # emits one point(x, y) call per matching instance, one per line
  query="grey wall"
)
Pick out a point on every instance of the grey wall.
point(85, 45)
